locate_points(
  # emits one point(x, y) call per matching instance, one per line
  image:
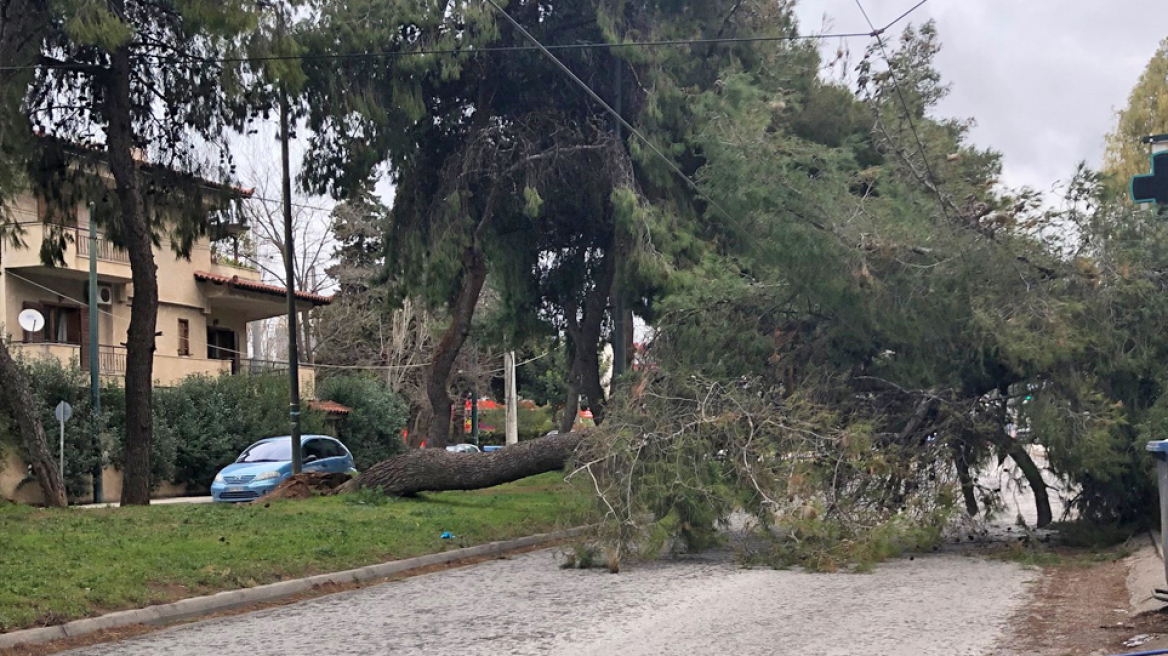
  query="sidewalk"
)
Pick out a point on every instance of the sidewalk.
point(153, 502)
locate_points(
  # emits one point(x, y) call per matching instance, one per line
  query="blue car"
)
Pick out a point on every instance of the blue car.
point(265, 464)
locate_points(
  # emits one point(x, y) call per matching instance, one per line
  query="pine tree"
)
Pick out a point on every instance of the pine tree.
point(1146, 114)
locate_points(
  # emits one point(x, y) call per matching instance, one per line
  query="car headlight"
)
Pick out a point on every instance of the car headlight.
point(268, 475)
point(219, 477)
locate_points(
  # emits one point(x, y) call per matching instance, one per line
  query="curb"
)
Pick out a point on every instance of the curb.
point(232, 599)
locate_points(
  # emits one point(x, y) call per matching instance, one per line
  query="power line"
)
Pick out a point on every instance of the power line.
point(170, 59)
point(877, 34)
point(615, 114)
point(898, 18)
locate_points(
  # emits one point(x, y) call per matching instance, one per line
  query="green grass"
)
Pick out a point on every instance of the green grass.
point(58, 565)
point(1077, 544)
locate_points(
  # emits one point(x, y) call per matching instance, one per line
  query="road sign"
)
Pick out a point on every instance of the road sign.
point(63, 412)
point(31, 320)
point(1153, 187)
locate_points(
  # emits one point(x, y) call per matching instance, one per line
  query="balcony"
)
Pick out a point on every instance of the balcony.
point(112, 262)
point(169, 370)
point(107, 251)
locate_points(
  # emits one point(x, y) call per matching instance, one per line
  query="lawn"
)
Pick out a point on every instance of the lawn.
point(58, 565)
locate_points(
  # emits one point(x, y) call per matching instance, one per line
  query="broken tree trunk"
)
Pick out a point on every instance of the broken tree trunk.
point(435, 470)
point(17, 395)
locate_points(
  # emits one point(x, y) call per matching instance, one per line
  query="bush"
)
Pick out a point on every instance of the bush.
point(53, 382)
point(211, 420)
point(373, 430)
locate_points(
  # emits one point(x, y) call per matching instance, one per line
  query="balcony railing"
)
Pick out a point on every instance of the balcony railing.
point(112, 360)
point(106, 249)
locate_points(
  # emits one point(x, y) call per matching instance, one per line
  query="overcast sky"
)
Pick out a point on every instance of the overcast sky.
point(1042, 78)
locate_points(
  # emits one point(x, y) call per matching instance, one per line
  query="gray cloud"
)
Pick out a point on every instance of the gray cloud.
point(1042, 78)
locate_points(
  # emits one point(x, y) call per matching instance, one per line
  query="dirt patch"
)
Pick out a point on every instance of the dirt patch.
point(127, 632)
point(305, 485)
point(1080, 609)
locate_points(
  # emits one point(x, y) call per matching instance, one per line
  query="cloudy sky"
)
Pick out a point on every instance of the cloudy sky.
point(1042, 78)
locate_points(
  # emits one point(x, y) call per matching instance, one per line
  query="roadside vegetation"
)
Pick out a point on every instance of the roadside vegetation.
point(60, 565)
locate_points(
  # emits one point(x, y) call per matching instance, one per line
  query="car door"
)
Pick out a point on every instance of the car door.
point(335, 456)
point(314, 449)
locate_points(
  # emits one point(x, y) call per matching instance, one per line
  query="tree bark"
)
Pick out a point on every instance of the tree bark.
point(571, 402)
point(1033, 474)
point(17, 396)
point(585, 333)
point(446, 352)
point(435, 470)
point(961, 462)
point(140, 340)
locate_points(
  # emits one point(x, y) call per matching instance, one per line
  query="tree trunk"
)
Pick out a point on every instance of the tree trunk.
point(1033, 474)
point(961, 462)
point(446, 352)
point(435, 470)
point(586, 339)
point(571, 403)
point(17, 396)
point(140, 341)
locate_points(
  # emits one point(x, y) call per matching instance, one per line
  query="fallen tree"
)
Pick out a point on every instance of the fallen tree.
point(436, 470)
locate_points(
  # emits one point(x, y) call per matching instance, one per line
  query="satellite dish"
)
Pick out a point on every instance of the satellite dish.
point(31, 320)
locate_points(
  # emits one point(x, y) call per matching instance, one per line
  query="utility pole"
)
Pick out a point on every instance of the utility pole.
point(289, 269)
point(619, 355)
point(512, 398)
point(94, 365)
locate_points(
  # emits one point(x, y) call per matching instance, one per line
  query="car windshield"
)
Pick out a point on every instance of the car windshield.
point(273, 451)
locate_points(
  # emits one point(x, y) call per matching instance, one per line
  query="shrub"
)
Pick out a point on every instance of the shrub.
point(210, 420)
point(372, 431)
point(53, 382)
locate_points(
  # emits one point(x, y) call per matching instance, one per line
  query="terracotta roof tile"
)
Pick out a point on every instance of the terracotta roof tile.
point(331, 407)
point(262, 288)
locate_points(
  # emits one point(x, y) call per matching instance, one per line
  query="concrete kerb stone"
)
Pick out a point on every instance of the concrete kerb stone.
point(232, 599)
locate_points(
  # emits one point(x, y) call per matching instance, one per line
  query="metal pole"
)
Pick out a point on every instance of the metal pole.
point(95, 364)
point(62, 462)
point(289, 273)
point(512, 425)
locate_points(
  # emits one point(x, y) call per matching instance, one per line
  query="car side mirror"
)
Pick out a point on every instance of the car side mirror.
point(309, 459)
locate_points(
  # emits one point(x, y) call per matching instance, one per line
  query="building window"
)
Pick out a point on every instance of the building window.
point(184, 337)
point(62, 325)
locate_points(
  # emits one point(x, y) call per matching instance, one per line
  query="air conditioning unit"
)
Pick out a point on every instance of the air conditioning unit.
point(105, 295)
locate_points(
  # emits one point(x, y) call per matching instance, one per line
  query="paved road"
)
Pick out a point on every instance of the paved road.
point(946, 605)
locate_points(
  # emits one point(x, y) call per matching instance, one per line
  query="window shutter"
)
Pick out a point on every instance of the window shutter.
point(184, 337)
